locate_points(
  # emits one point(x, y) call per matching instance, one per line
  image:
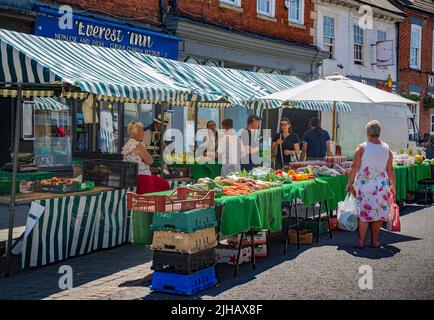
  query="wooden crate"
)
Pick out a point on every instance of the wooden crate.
point(184, 242)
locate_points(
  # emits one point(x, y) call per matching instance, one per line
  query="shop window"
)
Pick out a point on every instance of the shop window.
point(296, 11)
point(329, 35)
point(415, 45)
point(109, 127)
point(53, 139)
point(266, 7)
point(137, 112)
point(236, 3)
point(358, 45)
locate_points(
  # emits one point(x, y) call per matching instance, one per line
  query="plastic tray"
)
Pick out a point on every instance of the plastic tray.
point(183, 284)
point(183, 263)
point(181, 199)
point(185, 221)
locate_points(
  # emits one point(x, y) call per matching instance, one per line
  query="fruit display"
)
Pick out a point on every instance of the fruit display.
point(54, 181)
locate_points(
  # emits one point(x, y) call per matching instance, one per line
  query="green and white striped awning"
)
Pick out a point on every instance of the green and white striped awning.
point(50, 104)
point(219, 87)
point(109, 73)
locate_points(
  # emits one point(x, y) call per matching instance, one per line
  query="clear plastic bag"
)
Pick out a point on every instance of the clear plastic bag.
point(348, 218)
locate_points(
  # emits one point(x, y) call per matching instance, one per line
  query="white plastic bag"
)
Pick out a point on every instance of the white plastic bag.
point(348, 218)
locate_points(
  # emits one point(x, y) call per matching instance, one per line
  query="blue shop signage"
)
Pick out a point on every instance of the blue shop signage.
point(105, 34)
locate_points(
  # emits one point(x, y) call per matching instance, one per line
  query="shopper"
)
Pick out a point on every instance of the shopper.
point(230, 149)
point(211, 140)
point(152, 133)
point(285, 144)
point(374, 178)
point(135, 151)
point(250, 139)
point(316, 142)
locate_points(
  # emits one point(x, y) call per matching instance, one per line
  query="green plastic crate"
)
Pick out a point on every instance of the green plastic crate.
point(186, 221)
point(6, 185)
point(312, 225)
point(27, 176)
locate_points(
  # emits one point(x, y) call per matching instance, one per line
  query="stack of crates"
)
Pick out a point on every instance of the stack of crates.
point(184, 255)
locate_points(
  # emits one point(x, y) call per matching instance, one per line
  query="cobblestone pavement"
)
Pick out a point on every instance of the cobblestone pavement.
point(402, 269)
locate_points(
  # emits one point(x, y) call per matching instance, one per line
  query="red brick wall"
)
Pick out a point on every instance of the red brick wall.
point(148, 9)
point(210, 10)
point(411, 77)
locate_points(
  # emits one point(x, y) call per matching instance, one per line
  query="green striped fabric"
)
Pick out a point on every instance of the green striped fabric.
point(77, 225)
point(50, 104)
point(102, 71)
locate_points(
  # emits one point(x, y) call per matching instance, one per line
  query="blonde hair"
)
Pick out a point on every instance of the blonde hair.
point(373, 128)
point(133, 127)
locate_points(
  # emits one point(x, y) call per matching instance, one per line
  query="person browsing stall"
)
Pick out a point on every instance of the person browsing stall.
point(316, 142)
point(135, 151)
point(372, 182)
point(250, 140)
point(211, 140)
point(152, 132)
point(230, 149)
point(285, 144)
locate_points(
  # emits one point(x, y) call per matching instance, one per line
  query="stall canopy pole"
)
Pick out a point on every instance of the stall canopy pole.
point(334, 122)
point(162, 108)
point(196, 121)
point(94, 126)
point(14, 179)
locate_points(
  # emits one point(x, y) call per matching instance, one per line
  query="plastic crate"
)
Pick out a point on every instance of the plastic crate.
point(110, 173)
point(183, 263)
point(6, 186)
point(63, 188)
point(183, 284)
point(184, 242)
point(181, 199)
point(27, 176)
point(312, 225)
point(185, 221)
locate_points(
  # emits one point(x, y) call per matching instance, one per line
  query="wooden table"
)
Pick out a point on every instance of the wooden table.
point(27, 198)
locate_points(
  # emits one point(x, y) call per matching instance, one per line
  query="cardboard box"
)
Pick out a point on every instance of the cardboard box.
point(259, 237)
point(229, 255)
point(306, 236)
point(261, 251)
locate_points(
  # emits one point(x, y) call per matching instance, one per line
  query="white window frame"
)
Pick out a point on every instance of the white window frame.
point(333, 39)
point(235, 3)
point(414, 28)
point(362, 46)
point(272, 11)
point(301, 20)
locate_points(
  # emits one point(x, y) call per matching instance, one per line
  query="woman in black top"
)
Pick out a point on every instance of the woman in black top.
point(284, 144)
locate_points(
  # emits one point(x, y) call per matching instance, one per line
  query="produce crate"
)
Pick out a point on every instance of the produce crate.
point(312, 225)
point(184, 242)
point(183, 263)
point(259, 237)
point(184, 284)
point(261, 251)
point(306, 236)
point(6, 186)
point(27, 176)
point(110, 173)
point(229, 255)
point(181, 199)
point(185, 221)
point(63, 188)
point(86, 185)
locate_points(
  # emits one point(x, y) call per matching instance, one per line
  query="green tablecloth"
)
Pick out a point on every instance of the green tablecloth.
point(401, 182)
point(309, 191)
point(338, 185)
point(415, 174)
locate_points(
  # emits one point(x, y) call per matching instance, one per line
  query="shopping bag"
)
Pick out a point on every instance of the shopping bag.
point(393, 222)
point(348, 217)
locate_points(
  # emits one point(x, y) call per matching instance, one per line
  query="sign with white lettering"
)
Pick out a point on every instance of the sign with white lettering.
point(49, 23)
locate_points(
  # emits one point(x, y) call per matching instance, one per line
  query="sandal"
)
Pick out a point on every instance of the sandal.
point(377, 245)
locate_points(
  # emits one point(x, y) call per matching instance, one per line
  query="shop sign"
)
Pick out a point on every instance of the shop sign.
point(105, 34)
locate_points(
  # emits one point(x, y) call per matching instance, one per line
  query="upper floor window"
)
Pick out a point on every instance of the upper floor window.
point(296, 11)
point(266, 7)
point(415, 45)
point(358, 45)
point(236, 3)
point(381, 36)
point(329, 35)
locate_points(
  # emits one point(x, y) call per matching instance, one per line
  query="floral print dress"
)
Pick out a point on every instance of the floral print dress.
point(372, 183)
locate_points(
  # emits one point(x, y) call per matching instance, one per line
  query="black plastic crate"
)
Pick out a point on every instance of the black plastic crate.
point(183, 263)
point(97, 155)
point(110, 173)
point(177, 173)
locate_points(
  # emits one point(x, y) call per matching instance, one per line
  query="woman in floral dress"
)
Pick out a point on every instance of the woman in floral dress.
point(372, 182)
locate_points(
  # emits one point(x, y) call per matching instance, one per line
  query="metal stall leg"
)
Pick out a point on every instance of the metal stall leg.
point(285, 246)
point(240, 246)
point(297, 222)
point(252, 238)
point(219, 212)
point(319, 223)
point(328, 218)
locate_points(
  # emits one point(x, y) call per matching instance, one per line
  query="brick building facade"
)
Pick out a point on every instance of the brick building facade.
point(414, 76)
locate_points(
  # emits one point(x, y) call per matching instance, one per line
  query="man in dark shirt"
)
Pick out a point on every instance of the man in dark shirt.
point(316, 142)
point(250, 139)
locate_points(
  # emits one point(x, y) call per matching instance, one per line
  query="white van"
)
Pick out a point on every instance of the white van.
point(397, 126)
